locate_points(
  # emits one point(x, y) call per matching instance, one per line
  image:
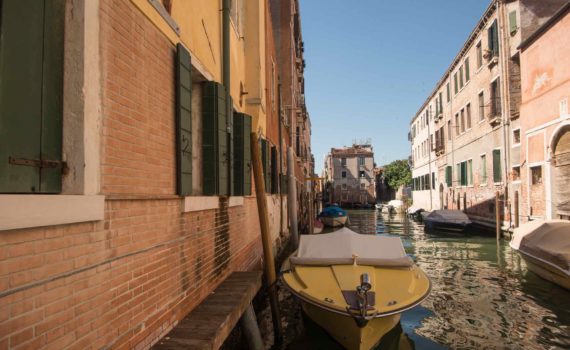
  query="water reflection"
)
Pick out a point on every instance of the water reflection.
point(483, 296)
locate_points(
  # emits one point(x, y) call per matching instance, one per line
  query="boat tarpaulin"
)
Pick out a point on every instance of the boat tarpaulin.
point(343, 246)
point(449, 216)
point(548, 241)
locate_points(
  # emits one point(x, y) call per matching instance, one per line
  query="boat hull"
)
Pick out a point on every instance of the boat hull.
point(546, 271)
point(443, 226)
point(345, 330)
point(333, 221)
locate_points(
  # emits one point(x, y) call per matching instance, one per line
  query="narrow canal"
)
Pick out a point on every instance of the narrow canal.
point(483, 296)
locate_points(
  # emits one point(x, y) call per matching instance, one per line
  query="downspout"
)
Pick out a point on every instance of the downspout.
point(226, 82)
point(451, 135)
point(280, 155)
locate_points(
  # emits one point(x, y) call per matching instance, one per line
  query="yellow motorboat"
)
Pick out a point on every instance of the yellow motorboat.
point(355, 286)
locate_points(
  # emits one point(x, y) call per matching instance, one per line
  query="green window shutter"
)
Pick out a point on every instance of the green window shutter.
point(448, 176)
point(274, 170)
point(497, 176)
point(215, 150)
point(456, 88)
point(284, 183)
point(266, 162)
point(238, 155)
point(448, 92)
point(183, 121)
point(467, 77)
point(241, 154)
point(493, 38)
point(247, 155)
point(31, 94)
point(463, 173)
point(513, 22)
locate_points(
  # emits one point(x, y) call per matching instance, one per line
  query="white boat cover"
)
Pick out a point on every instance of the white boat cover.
point(548, 241)
point(396, 203)
point(413, 209)
point(340, 247)
point(448, 216)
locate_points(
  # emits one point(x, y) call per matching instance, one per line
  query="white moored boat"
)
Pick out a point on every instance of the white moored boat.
point(545, 246)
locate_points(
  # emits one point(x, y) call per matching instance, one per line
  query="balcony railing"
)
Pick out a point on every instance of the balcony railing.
point(493, 110)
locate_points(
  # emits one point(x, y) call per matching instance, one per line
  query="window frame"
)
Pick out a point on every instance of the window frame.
point(483, 170)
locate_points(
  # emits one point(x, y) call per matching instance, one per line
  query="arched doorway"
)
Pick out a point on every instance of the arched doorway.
point(561, 173)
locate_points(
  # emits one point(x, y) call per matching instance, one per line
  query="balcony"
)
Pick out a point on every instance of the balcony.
point(493, 111)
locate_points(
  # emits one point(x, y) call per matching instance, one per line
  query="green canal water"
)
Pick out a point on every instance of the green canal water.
point(483, 296)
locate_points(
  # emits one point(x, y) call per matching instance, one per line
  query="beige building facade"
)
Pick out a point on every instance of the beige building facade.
point(349, 175)
point(465, 137)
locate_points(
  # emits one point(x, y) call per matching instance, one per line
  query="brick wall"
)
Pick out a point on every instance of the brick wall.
point(125, 281)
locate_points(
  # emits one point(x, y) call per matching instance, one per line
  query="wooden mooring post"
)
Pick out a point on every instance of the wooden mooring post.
point(516, 209)
point(265, 235)
point(498, 214)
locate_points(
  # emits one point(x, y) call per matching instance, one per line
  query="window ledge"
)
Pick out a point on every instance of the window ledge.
point(27, 211)
point(199, 203)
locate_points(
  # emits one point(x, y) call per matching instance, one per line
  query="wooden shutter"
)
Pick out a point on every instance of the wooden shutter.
point(266, 162)
point(31, 95)
point(493, 38)
point(467, 77)
point(497, 177)
point(513, 22)
point(448, 176)
point(183, 121)
point(463, 173)
point(274, 170)
point(215, 152)
point(241, 154)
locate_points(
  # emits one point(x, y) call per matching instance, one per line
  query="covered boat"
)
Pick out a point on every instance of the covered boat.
point(446, 220)
point(333, 216)
point(545, 246)
point(355, 286)
point(397, 205)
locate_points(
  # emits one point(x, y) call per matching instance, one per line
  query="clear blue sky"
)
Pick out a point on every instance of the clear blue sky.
point(372, 63)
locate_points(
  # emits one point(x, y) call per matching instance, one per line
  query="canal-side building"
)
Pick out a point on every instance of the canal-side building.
point(349, 175)
point(544, 133)
point(126, 194)
point(286, 19)
point(463, 137)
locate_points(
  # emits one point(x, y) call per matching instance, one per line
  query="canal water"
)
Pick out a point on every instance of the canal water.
point(483, 296)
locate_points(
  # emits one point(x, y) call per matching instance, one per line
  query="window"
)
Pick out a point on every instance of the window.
point(458, 173)
point(516, 173)
point(449, 129)
point(466, 64)
point(470, 172)
point(497, 175)
point(343, 174)
point(343, 162)
point(493, 39)
point(362, 174)
point(462, 120)
point(31, 102)
point(513, 27)
point(536, 175)
point(426, 182)
point(516, 137)
point(455, 86)
point(457, 130)
point(461, 77)
point(495, 99)
point(432, 180)
point(362, 186)
point(236, 15)
point(448, 175)
point(361, 161)
point(481, 106)
point(448, 92)
point(468, 116)
point(441, 102)
point(479, 50)
point(483, 169)
point(344, 186)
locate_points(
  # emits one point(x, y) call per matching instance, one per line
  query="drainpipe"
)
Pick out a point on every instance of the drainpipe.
point(226, 80)
point(504, 52)
point(280, 156)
